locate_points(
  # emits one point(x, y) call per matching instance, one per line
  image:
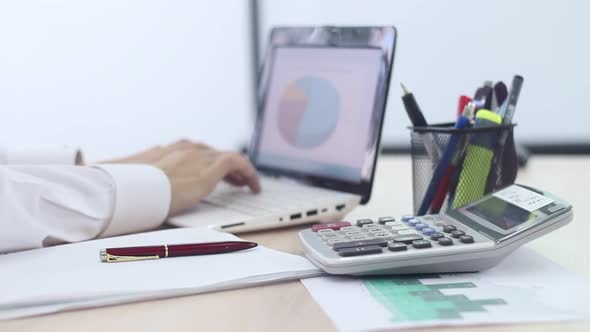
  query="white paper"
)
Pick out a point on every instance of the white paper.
point(523, 198)
point(526, 287)
point(72, 276)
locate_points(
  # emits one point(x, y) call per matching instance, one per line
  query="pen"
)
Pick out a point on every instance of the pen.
point(500, 95)
point(483, 97)
point(462, 122)
point(127, 254)
point(507, 113)
point(463, 101)
point(445, 183)
point(418, 120)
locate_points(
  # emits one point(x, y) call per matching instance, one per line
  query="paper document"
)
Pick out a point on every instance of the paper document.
point(526, 287)
point(72, 276)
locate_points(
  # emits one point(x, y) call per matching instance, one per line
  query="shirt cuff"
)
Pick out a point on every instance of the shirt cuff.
point(142, 198)
point(47, 156)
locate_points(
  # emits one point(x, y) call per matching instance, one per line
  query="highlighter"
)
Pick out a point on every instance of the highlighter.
point(477, 164)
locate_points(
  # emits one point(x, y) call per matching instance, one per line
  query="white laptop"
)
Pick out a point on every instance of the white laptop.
point(322, 100)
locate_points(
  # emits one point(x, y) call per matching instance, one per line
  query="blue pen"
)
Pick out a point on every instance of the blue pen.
point(462, 123)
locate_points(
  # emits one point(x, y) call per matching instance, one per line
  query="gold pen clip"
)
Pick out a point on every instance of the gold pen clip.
point(108, 258)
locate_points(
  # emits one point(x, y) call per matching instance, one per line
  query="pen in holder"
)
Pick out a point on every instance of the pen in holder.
point(480, 160)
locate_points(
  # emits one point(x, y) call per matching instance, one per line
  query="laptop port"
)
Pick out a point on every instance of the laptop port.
point(233, 225)
point(311, 213)
point(296, 216)
point(340, 207)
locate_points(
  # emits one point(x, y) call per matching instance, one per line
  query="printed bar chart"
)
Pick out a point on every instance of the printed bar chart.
point(409, 299)
point(526, 287)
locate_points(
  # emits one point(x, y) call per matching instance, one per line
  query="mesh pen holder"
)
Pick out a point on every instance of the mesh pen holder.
point(484, 160)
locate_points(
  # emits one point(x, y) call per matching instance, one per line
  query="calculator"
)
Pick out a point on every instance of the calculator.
point(467, 239)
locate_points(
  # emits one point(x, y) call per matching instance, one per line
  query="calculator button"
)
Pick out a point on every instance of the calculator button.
point(351, 233)
point(413, 222)
point(395, 223)
point(360, 237)
point(421, 244)
point(428, 231)
point(407, 232)
point(407, 239)
point(445, 241)
point(466, 239)
point(428, 217)
point(382, 232)
point(375, 230)
point(399, 228)
point(420, 226)
point(327, 230)
point(555, 208)
point(332, 242)
point(436, 236)
point(456, 234)
point(385, 236)
point(334, 226)
point(407, 218)
point(368, 226)
point(384, 220)
point(362, 243)
point(359, 251)
point(362, 222)
point(397, 246)
point(438, 222)
point(449, 228)
point(348, 228)
point(329, 235)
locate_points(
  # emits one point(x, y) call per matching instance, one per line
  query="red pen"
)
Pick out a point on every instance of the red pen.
point(127, 254)
point(463, 101)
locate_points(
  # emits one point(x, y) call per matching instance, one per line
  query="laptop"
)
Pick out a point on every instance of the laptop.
point(321, 105)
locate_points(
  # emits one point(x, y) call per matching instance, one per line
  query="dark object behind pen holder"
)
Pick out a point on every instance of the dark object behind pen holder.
point(466, 182)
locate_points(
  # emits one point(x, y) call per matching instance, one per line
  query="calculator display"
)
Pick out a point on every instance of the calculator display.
point(501, 213)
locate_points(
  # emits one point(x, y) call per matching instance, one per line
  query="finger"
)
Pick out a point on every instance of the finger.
point(228, 163)
point(235, 180)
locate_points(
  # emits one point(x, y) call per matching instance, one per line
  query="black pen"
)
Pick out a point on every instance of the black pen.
point(507, 113)
point(418, 120)
point(412, 108)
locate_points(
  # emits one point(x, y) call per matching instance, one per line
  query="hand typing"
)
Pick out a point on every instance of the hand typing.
point(194, 169)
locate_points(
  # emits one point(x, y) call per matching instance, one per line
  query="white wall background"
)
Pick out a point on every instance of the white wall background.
point(118, 76)
point(449, 47)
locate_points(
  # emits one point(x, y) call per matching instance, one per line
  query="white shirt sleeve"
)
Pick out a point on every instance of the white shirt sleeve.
point(53, 204)
point(41, 156)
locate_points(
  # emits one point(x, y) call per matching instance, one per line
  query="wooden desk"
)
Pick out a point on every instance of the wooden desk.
point(288, 306)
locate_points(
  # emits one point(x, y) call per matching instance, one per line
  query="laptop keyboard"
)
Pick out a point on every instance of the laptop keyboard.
point(278, 195)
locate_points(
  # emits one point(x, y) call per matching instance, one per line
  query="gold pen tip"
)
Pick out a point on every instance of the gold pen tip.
point(103, 255)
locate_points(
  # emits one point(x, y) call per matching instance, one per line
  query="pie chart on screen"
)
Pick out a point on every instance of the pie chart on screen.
point(308, 112)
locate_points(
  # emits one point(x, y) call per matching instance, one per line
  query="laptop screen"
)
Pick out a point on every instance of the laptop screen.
point(318, 116)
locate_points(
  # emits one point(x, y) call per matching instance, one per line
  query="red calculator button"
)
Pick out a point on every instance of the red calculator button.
point(334, 226)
